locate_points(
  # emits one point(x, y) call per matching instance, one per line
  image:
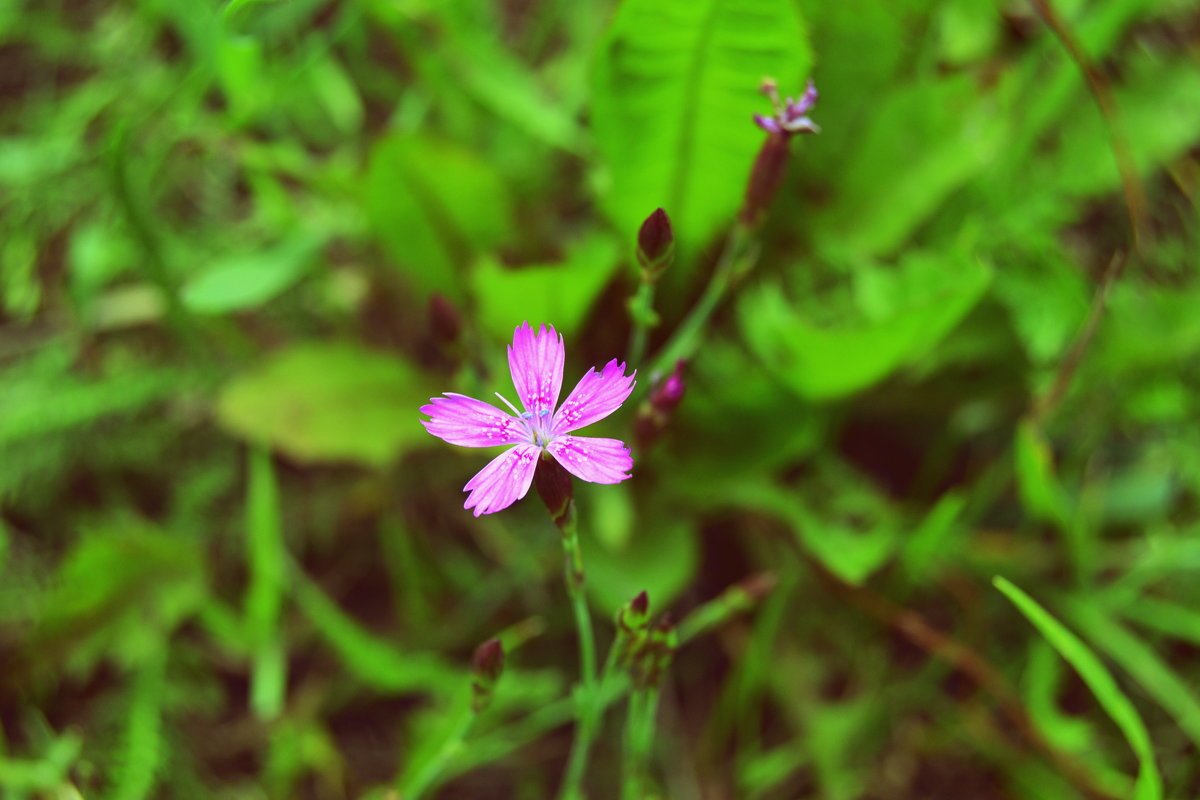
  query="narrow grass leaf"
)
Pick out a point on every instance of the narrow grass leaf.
point(377, 663)
point(1093, 672)
point(1140, 661)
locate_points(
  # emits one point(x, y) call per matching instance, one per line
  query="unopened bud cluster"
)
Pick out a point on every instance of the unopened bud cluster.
point(644, 650)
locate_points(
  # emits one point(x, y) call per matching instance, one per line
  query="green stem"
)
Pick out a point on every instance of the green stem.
point(641, 312)
point(588, 709)
point(639, 736)
point(630, 766)
point(736, 259)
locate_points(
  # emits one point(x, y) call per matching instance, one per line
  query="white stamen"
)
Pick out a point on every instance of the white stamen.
point(510, 405)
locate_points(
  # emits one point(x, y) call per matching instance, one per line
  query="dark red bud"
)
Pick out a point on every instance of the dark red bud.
point(656, 242)
point(488, 661)
point(641, 603)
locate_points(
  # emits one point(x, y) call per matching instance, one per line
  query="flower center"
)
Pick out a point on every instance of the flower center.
point(537, 428)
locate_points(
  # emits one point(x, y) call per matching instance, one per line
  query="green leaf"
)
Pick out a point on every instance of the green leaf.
point(337, 93)
point(930, 546)
point(45, 773)
point(502, 82)
point(1099, 680)
point(1168, 618)
point(1041, 494)
point(247, 280)
point(897, 176)
point(434, 205)
point(1140, 661)
point(852, 538)
point(927, 299)
point(1158, 119)
point(675, 90)
point(327, 402)
point(42, 396)
point(119, 594)
point(242, 72)
point(659, 559)
point(376, 662)
point(559, 293)
point(141, 756)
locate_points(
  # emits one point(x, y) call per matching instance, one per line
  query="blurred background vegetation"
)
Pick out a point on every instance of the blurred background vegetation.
point(233, 564)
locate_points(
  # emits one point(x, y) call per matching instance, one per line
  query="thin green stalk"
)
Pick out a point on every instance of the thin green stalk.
point(736, 259)
point(640, 724)
point(630, 763)
point(641, 308)
point(588, 709)
point(610, 664)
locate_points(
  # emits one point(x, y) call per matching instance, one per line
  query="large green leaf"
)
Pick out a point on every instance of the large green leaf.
point(327, 402)
point(903, 320)
point(675, 92)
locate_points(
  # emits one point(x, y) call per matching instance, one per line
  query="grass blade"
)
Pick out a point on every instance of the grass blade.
point(1099, 680)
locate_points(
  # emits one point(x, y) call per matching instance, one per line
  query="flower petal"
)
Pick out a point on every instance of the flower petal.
point(768, 124)
point(597, 395)
point(592, 459)
point(469, 422)
point(504, 481)
point(536, 362)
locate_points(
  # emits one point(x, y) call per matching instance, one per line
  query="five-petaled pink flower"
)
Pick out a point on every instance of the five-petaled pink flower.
point(536, 362)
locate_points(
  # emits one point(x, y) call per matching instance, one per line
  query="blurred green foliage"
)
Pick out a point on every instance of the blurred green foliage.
point(242, 243)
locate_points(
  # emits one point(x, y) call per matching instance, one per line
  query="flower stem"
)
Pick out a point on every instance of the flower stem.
point(737, 258)
point(641, 312)
point(639, 734)
point(587, 698)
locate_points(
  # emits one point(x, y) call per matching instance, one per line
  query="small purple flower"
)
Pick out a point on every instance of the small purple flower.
point(536, 363)
point(791, 116)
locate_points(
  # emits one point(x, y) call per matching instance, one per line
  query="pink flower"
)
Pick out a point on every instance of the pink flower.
point(790, 116)
point(536, 363)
